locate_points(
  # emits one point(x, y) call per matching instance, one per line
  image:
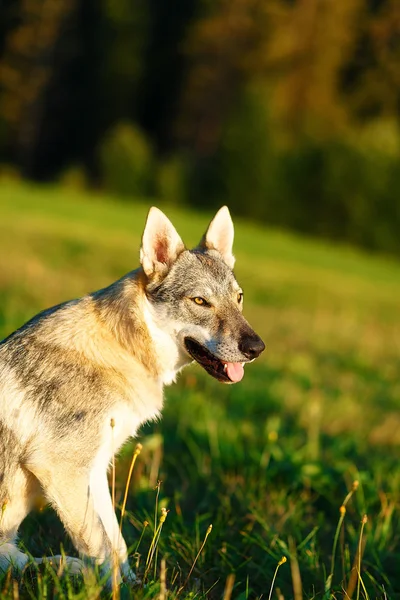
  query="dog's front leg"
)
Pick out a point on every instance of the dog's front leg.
point(67, 487)
point(103, 504)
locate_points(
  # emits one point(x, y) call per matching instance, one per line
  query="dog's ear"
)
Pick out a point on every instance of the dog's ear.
point(219, 236)
point(161, 244)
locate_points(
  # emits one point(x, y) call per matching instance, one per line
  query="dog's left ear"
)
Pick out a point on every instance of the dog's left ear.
point(219, 236)
point(161, 244)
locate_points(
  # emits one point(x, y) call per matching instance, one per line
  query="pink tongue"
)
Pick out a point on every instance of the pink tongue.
point(235, 371)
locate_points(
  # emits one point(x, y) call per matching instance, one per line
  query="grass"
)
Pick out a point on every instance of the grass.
point(267, 462)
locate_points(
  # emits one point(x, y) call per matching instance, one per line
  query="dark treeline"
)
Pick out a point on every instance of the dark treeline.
point(287, 110)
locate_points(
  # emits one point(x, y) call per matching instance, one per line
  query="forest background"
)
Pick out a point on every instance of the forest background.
point(287, 110)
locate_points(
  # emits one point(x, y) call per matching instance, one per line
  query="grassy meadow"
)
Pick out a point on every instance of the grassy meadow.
point(268, 462)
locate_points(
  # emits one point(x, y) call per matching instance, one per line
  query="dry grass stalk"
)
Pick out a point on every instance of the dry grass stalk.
point(15, 590)
point(230, 580)
point(295, 570)
point(154, 541)
point(128, 482)
point(196, 559)
point(279, 594)
point(355, 575)
point(281, 562)
point(145, 524)
point(163, 580)
point(342, 510)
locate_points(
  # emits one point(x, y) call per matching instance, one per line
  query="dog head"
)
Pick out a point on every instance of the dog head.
point(195, 297)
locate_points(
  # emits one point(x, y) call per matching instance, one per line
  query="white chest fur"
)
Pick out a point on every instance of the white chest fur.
point(119, 425)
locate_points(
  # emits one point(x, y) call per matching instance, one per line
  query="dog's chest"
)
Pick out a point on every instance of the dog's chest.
point(121, 423)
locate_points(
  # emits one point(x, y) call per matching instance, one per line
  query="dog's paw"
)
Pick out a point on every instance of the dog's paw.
point(10, 556)
point(73, 566)
point(63, 564)
point(130, 577)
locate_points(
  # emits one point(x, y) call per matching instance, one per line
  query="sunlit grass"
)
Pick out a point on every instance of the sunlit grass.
point(267, 462)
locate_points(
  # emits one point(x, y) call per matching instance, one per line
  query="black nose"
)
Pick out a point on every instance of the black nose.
point(251, 346)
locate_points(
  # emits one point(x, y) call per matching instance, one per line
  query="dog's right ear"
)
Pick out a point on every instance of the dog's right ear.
point(161, 244)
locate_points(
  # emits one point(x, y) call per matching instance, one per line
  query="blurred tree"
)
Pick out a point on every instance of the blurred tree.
point(221, 46)
point(280, 108)
point(371, 77)
point(126, 159)
point(25, 73)
point(298, 49)
point(125, 34)
point(164, 68)
point(311, 42)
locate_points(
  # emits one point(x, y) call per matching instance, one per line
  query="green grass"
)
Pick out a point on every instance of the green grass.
point(268, 461)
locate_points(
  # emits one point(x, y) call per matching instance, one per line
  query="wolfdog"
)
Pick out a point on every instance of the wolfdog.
point(78, 379)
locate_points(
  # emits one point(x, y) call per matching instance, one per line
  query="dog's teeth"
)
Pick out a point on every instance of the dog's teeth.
point(225, 367)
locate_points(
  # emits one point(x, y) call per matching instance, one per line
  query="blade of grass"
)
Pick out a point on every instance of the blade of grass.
point(355, 571)
point(342, 510)
point(196, 559)
point(295, 570)
point(128, 481)
point(154, 542)
point(281, 562)
point(230, 580)
point(360, 553)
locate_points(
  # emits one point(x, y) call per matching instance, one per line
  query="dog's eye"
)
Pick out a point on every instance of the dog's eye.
point(200, 301)
point(240, 297)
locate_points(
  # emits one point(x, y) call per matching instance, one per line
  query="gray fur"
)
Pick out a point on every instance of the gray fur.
point(78, 379)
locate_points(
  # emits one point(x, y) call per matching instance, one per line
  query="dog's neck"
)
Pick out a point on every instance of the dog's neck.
point(137, 328)
point(167, 351)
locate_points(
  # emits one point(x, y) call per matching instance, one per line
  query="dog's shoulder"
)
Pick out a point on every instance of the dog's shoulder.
point(35, 322)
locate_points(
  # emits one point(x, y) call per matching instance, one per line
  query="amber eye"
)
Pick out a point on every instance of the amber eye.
point(240, 297)
point(200, 301)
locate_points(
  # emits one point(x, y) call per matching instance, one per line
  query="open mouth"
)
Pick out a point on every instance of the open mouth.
point(223, 371)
